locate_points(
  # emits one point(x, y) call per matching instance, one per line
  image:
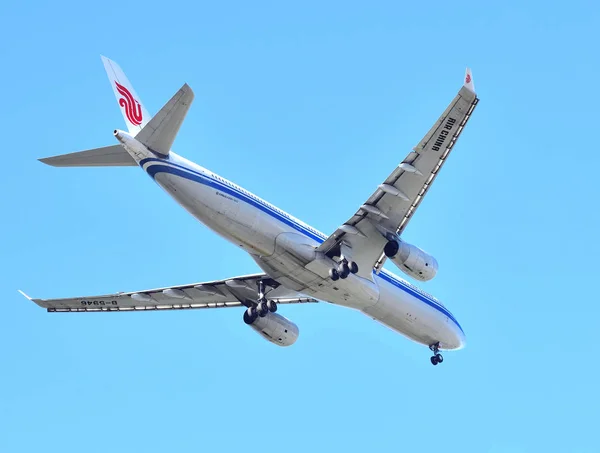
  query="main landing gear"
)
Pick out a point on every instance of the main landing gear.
point(343, 269)
point(261, 308)
point(437, 357)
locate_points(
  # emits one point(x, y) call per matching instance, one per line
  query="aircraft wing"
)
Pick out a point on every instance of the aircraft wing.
point(392, 205)
point(233, 292)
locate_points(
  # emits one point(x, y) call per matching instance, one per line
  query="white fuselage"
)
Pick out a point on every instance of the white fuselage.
point(282, 246)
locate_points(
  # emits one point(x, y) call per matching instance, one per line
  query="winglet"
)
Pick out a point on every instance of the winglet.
point(469, 85)
point(25, 295)
point(39, 302)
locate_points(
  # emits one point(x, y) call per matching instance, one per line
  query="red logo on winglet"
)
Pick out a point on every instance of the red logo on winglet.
point(468, 78)
point(133, 109)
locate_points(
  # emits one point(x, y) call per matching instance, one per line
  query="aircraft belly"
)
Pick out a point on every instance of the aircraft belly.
point(410, 317)
point(291, 265)
point(229, 217)
point(288, 271)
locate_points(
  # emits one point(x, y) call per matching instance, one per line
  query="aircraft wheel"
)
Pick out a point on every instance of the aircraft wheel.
point(334, 275)
point(343, 268)
point(262, 309)
point(272, 306)
point(434, 360)
point(353, 267)
point(439, 358)
point(250, 315)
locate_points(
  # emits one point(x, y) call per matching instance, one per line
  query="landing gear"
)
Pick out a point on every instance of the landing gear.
point(437, 357)
point(272, 306)
point(343, 269)
point(250, 315)
point(260, 309)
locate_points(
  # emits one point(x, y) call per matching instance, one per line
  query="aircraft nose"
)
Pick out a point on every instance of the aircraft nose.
point(461, 339)
point(456, 338)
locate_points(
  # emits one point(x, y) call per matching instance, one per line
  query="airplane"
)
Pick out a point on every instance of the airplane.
point(299, 264)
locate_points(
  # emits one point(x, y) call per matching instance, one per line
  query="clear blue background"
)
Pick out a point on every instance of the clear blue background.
point(310, 106)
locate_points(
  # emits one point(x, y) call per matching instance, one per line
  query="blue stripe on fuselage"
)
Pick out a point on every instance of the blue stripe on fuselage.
point(194, 175)
point(216, 184)
point(234, 191)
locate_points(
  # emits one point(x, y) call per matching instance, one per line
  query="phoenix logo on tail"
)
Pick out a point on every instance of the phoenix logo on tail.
point(133, 110)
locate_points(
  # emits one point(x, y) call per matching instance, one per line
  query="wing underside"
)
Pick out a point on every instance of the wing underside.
point(233, 292)
point(389, 209)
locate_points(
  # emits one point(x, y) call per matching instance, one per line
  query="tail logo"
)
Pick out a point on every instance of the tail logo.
point(468, 78)
point(133, 109)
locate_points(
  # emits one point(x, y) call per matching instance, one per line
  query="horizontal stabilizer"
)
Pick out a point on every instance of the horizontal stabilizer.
point(160, 132)
point(108, 156)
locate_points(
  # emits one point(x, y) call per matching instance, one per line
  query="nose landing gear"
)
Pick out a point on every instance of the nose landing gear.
point(437, 357)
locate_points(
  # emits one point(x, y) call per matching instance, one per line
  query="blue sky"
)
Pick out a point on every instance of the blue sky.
point(309, 106)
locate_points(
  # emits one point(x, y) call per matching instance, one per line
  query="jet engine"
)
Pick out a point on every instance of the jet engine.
point(411, 260)
point(274, 328)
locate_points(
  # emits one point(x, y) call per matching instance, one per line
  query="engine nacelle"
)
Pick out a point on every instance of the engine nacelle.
point(411, 260)
point(277, 329)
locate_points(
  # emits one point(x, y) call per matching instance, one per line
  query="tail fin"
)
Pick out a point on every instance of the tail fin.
point(134, 113)
point(156, 134)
